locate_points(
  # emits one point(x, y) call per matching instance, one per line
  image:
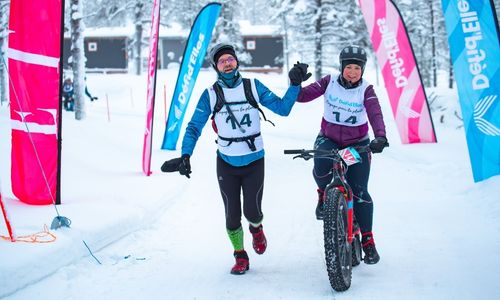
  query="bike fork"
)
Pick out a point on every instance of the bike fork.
point(350, 213)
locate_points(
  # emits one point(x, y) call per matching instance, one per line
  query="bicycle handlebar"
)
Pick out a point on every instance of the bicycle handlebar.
point(359, 149)
point(297, 151)
point(333, 153)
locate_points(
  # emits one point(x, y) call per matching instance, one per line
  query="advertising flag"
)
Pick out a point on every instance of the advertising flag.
point(34, 66)
point(192, 60)
point(399, 70)
point(473, 38)
point(150, 101)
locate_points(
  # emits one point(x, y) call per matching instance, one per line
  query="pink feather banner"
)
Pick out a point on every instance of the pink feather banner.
point(150, 103)
point(399, 70)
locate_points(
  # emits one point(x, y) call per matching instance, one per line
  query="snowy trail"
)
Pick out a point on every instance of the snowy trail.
point(187, 254)
point(436, 230)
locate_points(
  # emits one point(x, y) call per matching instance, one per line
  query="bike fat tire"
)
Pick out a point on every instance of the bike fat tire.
point(338, 252)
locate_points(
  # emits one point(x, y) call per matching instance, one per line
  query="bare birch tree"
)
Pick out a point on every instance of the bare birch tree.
point(78, 57)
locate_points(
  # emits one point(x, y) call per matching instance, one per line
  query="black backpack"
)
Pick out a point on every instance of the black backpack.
point(221, 100)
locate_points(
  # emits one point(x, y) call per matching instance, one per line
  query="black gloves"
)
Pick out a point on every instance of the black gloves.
point(171, 165)
point(185, 166)
point(303, 68)
point(378, 144)
point(295, 76)
point(93, 98)
point(180, 164)
point(298, 73)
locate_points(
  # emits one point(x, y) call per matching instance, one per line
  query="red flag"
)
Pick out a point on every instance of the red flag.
point(34, 67)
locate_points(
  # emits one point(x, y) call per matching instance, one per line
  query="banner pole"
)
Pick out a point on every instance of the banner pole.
point(7, 223)
point(165, 101)
point(107, 107)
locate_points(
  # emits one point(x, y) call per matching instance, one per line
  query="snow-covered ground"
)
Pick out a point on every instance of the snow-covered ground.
point(163, 236)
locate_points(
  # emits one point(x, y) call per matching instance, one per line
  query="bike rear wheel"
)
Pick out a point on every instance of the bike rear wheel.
point(338, 252)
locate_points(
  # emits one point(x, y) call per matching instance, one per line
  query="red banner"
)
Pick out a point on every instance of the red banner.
point(34, 59)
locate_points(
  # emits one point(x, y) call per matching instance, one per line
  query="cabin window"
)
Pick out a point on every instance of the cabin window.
point(92, 46)
point(251, 45)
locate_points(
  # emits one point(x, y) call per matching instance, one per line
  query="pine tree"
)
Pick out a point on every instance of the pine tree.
point(425, 25)
point(335, 24)
point(227, 29)
point(120, 13)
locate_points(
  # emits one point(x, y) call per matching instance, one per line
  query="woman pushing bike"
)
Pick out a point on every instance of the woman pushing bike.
point(349, 103)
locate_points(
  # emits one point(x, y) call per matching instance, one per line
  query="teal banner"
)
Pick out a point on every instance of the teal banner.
point(472, 28)
point(194, 54)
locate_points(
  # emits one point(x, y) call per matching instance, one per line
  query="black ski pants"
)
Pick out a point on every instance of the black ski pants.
point(233, 180)
point(357, 177)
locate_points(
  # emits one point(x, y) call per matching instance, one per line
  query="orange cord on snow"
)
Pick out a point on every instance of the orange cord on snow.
point(41, 237)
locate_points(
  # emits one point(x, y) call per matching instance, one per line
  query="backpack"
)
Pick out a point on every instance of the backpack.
point(221, 101)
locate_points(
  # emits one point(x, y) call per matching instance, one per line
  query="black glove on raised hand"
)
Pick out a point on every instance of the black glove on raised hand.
point(303, 68)
point(378, 144)
point(295, 75)
point(298, 73)
point(185, 166)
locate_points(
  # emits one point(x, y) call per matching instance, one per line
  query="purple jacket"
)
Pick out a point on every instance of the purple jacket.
point(346, 135)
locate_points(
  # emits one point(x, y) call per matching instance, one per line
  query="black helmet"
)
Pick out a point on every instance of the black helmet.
point(352, 55)
point(220, 49)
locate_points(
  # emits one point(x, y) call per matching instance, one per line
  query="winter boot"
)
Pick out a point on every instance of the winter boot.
point(371, 254)
point(242, 263)
point(259, 239)
point(320, 205)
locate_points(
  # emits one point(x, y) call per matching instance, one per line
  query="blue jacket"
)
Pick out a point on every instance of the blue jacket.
point(203, 111)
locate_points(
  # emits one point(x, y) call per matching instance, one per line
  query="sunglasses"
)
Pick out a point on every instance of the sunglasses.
point(229, 60)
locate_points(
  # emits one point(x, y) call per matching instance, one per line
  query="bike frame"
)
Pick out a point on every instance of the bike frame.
point(339, 169)
point(342, 244)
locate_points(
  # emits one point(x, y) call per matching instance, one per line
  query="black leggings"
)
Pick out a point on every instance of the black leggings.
point(357, 177)
point(232, 180)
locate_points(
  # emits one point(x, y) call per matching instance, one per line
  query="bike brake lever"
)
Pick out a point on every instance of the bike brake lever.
point(307, 156)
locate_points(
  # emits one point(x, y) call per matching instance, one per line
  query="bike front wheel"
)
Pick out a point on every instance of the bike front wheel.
point(338, 252)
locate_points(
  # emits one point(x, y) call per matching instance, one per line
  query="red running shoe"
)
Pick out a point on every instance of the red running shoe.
point(242, 263)
point(259, 239)
point(371, 254)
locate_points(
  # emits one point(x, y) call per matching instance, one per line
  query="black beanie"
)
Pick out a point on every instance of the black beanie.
point(224, 51)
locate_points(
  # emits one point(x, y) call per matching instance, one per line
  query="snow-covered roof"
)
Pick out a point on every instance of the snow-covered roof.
point(176, 30)
point(109, 31)
point(173, 30)
point(247, 29)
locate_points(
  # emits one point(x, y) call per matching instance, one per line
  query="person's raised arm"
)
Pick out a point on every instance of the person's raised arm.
point(280, 106)
point(314, 90)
